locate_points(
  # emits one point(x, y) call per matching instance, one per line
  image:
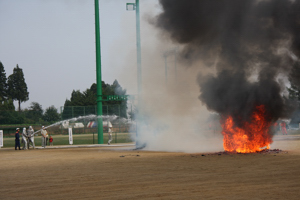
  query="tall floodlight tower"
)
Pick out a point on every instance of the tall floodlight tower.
point(138, 48)
point(166, 55)
point(99, 75)
point(136, 6)
point(166, 67)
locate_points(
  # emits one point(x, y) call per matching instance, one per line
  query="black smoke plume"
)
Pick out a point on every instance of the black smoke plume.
point(250, 43)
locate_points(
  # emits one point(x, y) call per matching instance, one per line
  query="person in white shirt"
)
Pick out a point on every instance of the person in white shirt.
point(44, 136)
point(30, 136)
point(24, 138)
point(109, 135)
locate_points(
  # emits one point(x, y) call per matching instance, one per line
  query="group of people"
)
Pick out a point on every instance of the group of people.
point(28, 138)
point(282, 127)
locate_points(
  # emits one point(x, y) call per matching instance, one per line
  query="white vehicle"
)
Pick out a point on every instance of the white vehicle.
point(78, 125)
point(66, 124)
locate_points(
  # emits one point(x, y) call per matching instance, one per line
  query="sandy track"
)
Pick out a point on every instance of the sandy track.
point(102, 173)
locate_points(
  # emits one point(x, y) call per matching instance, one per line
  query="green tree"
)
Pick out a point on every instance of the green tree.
point(3, 83)
point(34, 113)
point(17, 88)
point(8, 115)
point(7, 105)
point(51, 114)
point(77, 98)
point(67, 110)
point(122, 105)
point(112, 107)
point(88, 98)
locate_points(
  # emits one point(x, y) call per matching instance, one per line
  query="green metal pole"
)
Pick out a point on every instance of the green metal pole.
point(61, 118)
point(119, 123)
point(99, 76)
point(84, 120)
point(139, 65)
point(138, 46)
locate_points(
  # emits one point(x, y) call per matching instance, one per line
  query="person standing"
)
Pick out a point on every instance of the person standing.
point(24, 139)
point(30, 136)
point(47, 139)
point(109, 135)
point(283, 128)
point(17, 139)
point(51, 140)
point(44, 136)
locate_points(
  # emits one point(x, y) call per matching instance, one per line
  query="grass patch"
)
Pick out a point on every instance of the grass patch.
point(77, 139)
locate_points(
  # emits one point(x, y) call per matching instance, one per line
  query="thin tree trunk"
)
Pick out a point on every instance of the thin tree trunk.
point(19, 106)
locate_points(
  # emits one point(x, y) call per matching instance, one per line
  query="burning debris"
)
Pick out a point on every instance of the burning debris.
point(251, 136)
point(262, 151)
point(253, 47)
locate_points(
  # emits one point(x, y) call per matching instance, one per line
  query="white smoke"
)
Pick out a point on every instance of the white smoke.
point(171, 117)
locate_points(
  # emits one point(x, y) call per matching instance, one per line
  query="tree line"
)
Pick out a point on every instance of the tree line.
point(14, 88)
point(83, 103)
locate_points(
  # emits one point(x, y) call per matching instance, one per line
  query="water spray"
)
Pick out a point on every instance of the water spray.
point(104, 117)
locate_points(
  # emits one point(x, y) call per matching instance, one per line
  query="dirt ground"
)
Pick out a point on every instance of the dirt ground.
point(111, 173)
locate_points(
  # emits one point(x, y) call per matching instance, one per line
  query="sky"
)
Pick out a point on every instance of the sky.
point(53, 41)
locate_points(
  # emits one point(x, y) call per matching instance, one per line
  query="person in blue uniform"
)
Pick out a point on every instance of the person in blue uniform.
point(17, 140)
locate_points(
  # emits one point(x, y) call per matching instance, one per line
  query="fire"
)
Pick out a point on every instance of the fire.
point(252, 137)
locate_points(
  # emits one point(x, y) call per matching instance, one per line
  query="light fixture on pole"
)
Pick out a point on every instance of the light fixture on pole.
point(130, 6)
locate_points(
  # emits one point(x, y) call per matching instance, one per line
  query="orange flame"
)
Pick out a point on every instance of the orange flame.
point(252, 137)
